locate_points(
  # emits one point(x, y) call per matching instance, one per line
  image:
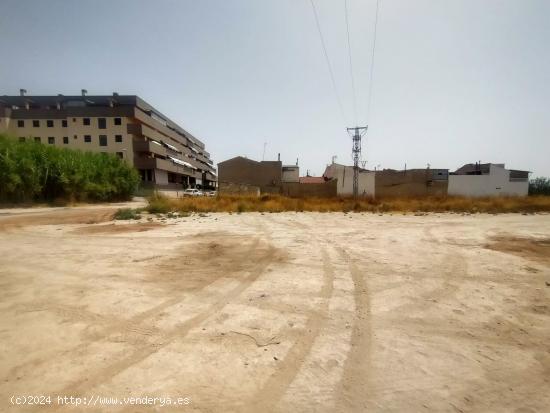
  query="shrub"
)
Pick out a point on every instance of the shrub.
point(158, 204)
point(127, 213)
point(30, 171)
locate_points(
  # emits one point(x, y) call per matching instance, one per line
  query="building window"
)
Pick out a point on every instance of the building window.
point(87, 138)
point(102, 140)
point(49, 123)
point(66, 140)
point(21, 139)
point(118, 138)
point(36, 123)
point(51, 140)
point(37, 138)
point(86, 121)
point(118, 121)
point(20, 123)
point(102, 123)
point(120, 155)
point(64, 123)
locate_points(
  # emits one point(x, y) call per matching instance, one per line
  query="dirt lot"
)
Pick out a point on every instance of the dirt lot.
point(290, 312)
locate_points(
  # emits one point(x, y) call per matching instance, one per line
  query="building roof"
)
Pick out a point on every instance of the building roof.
point(68, 101)
point(245, 159)
point(474, 168)
point(484, 169)
point(312, 180)
point(339, 165)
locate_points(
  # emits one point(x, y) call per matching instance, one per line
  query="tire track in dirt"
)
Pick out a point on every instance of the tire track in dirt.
point(132, 324)
point(353, 391)
point(276, 385)
point(103, 375)
point(454, 264)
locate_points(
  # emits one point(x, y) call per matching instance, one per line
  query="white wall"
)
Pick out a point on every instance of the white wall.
point(344, 186)
point(496, 183)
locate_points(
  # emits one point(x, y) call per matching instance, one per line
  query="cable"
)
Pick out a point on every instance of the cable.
point(372, 59)
point(351, 64)
point(328, 61)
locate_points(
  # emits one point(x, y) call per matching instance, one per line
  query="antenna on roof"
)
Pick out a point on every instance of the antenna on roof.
point(334, 158)
point(22, 92)
point(296, 161)
point(83, 91)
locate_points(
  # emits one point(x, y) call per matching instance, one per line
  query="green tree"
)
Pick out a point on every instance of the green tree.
point(539, 186)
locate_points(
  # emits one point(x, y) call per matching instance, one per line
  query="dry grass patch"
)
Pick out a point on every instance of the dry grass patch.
point(277, 203)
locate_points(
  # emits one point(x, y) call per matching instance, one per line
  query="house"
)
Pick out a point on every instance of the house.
point(291, 173)
point(265, 176)
point(343, 174)
point(488, 179)
point(310, 186)
point(312, 180)
point(241, 175)
point(411, 182)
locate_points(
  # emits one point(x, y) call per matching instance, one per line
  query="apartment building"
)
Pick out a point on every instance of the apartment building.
point(166, 155)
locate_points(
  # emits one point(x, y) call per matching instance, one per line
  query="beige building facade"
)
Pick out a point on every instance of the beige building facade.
point(166, 155)
point(344, 175)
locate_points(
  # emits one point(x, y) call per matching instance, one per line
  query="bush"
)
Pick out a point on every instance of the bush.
point(30, 171)
point(127, 213)
point(158, 204)
point(539, 186)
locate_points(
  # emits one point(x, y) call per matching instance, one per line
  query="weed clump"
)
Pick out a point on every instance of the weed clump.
point(127, 213)
point(158, 204)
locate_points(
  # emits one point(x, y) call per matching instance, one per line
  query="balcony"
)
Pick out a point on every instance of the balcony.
point(210, 177)
point(150, 147)
point(157, 163)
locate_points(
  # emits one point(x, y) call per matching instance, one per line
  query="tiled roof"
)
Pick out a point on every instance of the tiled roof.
point(312, 180)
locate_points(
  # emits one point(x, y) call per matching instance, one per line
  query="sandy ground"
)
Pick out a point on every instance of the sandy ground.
point(292, 312)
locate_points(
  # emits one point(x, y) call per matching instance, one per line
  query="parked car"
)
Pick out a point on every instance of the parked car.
point(211, 193)
point(192, 192)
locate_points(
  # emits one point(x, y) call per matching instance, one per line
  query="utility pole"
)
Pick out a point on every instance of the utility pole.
point(356, 133)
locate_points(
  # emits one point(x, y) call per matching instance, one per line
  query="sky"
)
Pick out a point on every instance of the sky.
point(454, 81)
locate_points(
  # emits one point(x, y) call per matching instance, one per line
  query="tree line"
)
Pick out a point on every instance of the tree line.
point(31, 171)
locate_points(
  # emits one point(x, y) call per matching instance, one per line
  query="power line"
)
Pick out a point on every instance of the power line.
point(328, 61)
point(351, 64)
point(372, 59)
